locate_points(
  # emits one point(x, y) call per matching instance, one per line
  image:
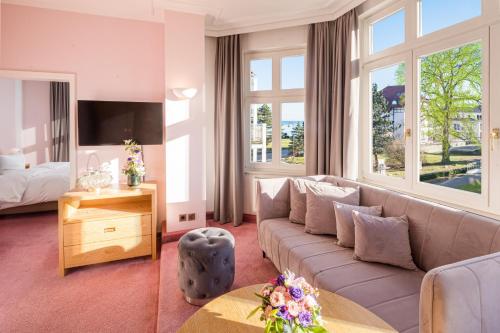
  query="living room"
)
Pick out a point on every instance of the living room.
point(164, 161)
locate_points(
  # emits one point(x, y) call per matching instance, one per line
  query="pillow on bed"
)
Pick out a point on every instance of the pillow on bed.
point(12, 162)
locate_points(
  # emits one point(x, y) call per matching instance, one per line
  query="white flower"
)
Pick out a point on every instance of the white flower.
point(293, 308)
point(277, 299)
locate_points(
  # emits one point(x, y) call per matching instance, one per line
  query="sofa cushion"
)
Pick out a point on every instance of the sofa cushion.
point(345, 222)
point(320, 214)
point(382, 239)
point(298, 197)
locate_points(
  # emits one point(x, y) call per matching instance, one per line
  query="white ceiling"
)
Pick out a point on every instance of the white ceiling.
point(222, 16)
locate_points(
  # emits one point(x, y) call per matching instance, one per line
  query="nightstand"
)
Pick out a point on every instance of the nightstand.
point(118, 223)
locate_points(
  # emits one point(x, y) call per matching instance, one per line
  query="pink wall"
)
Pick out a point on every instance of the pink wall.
point(113, 59)
point(186, 125)
point(36, 121)
point(9, 126)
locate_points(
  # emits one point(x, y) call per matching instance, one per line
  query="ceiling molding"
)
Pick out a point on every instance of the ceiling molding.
point(333, 10)
point(190, 7)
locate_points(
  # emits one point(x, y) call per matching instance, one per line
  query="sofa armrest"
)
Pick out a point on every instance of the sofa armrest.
point(462, 297)
point(273, 198)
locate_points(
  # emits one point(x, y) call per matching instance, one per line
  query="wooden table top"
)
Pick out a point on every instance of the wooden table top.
point(228, 313)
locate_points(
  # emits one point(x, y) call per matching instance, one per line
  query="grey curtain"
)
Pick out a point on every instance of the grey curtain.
point(329, 118)
point(59, 120)
point(228, 132)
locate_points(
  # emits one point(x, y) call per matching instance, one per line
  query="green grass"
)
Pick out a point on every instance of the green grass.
point(475, 187)
point(432, 164)
point(294, 160)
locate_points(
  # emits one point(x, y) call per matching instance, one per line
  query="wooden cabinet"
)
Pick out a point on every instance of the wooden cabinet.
point(118, 223)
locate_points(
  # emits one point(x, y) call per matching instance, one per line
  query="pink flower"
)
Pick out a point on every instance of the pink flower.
point(280, 289)
point(309, 302)
point(293, 308)
point(266, 291)
point(277, 299)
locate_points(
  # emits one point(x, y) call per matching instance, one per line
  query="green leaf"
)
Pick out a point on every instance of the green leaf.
point(317, 329)
point(254, 311)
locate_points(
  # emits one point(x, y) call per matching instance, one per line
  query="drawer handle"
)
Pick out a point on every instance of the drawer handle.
point(113, 229)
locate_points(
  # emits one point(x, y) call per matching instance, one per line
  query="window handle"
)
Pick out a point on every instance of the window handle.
point(494, 136)
point(408, 133)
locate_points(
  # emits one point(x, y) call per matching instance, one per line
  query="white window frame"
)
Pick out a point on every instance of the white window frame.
point(275, 98)
point(415, 46)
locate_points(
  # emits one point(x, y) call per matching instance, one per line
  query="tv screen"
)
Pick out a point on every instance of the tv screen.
point(103, 123)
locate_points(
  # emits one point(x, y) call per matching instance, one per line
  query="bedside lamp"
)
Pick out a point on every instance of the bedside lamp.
point(184, 93)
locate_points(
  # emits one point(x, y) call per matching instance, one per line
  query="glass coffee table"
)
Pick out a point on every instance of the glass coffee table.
point(228, 314)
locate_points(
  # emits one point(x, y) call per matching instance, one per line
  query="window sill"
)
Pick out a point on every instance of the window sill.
point(275, 172)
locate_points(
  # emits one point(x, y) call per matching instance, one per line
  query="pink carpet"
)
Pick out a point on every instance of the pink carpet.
point(114, 297)
point(251, 268)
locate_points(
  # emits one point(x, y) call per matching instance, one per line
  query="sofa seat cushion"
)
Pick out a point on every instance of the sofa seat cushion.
point(390, 292)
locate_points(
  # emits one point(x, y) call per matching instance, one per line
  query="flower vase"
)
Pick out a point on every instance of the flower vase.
point(133, 180)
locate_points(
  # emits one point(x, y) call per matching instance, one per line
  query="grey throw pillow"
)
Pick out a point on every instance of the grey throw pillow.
point(298, 198)
point(345, 222)
point(382, 239)
point(320, 214)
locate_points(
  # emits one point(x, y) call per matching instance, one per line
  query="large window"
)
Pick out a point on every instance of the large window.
point(274, 100)
point(425, 70)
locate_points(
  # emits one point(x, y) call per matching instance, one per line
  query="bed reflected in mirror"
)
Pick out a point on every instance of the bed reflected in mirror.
point(37, 146)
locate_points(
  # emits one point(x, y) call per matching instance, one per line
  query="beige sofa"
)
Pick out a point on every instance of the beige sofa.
point(447, 294)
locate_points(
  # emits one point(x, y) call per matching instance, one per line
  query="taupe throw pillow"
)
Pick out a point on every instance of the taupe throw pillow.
point(382, 239)
point(320, 214)
point(345, 222)
point(298, 198)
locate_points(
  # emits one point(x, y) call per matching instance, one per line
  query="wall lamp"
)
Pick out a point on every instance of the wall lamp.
point(184, 93)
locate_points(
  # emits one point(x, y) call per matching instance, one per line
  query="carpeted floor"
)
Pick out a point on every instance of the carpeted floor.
point(251, 268)
point(114, 297)
point(123, 296)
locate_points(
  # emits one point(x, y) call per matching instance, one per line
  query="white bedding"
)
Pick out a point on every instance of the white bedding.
point(42, 183)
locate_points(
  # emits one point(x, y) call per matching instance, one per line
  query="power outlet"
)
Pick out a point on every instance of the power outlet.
point(183, 217)
point(191, 216)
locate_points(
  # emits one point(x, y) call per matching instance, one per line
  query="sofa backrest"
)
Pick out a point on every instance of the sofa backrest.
point(439, 235)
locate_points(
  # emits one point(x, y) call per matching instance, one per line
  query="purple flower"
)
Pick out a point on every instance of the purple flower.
point(283, 313)
point(280, 281)
point(305, 318)
point(129, 159)
point(296, 293)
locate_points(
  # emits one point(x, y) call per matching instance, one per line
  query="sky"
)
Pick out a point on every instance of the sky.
point(436, 15)
point(292, 76)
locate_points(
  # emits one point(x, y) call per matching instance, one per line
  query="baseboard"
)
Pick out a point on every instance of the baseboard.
point(249, 218)
point(174, 236)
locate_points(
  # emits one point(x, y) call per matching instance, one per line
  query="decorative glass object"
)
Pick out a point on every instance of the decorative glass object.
point(95, 179)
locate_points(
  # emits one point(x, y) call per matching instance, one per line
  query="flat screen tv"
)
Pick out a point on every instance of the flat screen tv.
point(104, 123)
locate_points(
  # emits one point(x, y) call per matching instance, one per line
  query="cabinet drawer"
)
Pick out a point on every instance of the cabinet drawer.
point(104, 230)
point(93, 253)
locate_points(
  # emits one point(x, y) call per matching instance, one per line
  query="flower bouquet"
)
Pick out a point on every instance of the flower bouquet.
point(134, 168)
point(290, 305)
